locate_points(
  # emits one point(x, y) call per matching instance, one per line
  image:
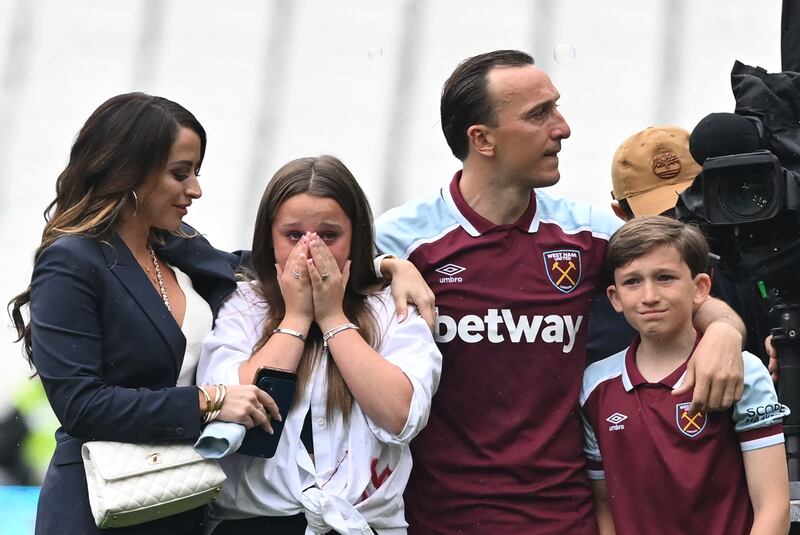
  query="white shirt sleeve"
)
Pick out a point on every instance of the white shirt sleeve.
point(376, 264)
point(410, 347)
point(239, 326)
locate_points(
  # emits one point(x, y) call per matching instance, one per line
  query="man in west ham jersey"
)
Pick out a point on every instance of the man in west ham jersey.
point(654, 462)
point(514, 270)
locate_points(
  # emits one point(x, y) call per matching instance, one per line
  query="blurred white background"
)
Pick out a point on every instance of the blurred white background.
point(272, 80)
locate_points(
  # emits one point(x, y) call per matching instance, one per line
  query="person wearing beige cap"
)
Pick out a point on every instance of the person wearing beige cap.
point(649, 170)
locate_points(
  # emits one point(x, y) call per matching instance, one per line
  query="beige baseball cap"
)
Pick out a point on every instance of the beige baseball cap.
point(651, 168)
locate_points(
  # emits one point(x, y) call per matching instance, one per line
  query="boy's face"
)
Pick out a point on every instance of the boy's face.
point(657, 294)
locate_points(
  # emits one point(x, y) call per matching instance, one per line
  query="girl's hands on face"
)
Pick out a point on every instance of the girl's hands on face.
point(328, 284)
point(294, 283)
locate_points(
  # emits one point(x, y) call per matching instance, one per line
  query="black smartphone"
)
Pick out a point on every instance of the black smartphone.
point(280, 385)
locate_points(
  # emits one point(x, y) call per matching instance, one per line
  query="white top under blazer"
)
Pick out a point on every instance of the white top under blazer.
point(197, 322)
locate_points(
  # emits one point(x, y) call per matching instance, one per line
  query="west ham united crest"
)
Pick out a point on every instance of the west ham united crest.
point(689, 424)
point(563, 268)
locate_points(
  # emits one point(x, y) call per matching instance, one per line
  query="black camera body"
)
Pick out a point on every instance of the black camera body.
point(749, 206)
point(743, 188)
point(747, 200)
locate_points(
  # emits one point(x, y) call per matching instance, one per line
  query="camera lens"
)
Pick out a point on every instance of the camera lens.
point(746, 196)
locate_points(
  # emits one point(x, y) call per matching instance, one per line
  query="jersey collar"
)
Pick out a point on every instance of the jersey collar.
point(631, 378)
point(474, 223)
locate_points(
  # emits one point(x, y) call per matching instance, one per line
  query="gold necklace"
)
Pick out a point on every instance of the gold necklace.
point(159, 278)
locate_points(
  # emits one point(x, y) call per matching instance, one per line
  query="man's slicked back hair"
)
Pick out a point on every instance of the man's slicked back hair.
point(465, 96)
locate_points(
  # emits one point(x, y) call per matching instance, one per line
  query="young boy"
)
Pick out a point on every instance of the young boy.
point(655, 467)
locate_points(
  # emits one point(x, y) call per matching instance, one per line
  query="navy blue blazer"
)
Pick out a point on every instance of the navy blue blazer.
point(109, 353)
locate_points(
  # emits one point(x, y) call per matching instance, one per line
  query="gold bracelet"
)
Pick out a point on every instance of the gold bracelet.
point(208, 402)
point(219, 398)
point(210, 415)
point(218, 405)
point(209, 409)
point(336, 330)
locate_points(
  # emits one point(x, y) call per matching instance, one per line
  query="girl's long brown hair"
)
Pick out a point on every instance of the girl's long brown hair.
point(324, 177)
point(125, 141)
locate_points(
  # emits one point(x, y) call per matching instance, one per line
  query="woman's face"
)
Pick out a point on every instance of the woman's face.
point(164, 198)
point(303, 213)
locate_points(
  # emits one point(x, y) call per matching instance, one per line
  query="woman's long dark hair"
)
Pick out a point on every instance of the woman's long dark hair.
point(125, 141)
point(324, 177)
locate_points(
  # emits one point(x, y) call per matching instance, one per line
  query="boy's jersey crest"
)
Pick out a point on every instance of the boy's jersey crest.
point(689, 424)
point(563, 268)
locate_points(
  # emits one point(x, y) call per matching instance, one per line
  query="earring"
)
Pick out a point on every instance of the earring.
point(136, 203)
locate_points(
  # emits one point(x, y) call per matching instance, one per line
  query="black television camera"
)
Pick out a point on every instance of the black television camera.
point(747, 199)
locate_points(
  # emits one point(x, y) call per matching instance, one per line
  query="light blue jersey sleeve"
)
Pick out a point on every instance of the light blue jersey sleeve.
point(759, 406)
point(594, 465)
point(401, 230)
point(599, 372)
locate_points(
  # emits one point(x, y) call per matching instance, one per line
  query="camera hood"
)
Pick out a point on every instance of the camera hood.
point(773, 98)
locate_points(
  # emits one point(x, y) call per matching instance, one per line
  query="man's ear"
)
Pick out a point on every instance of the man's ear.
point(619, 210)
point(611, 292)
point(481, 139)
point(702, 288)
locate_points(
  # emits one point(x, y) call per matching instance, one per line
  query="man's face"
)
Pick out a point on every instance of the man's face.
point(529, 129)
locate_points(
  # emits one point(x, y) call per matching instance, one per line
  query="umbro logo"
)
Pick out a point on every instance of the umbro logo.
point(616, 420)
point(450, 271)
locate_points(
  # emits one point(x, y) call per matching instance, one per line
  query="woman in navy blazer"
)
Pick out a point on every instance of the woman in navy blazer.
point(117, 280)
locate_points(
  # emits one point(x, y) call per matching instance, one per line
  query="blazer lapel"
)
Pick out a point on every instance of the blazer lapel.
point(210, 269)
point(125, 267)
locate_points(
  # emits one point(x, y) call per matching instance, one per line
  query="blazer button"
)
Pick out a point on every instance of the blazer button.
point(180, 431)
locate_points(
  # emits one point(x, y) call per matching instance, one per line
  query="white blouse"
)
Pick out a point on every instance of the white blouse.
point(359, 471)
point(197, 321)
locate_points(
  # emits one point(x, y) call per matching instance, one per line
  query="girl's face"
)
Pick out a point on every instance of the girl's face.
point(303, 213)
point(164, 198)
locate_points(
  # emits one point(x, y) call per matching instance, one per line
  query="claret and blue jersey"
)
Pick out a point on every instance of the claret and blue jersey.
point(502, 448)
point(650, 449)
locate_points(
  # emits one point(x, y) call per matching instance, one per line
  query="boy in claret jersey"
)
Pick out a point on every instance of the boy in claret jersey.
point(655, 466)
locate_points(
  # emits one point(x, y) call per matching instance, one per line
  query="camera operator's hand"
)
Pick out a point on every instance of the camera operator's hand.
point(773, 359)
point(715, 372)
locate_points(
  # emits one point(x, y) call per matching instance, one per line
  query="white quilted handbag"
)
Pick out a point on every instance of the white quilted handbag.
point(134, 483)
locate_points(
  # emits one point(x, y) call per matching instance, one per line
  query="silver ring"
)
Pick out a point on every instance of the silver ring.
point(324, 277)
point(295, 274)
